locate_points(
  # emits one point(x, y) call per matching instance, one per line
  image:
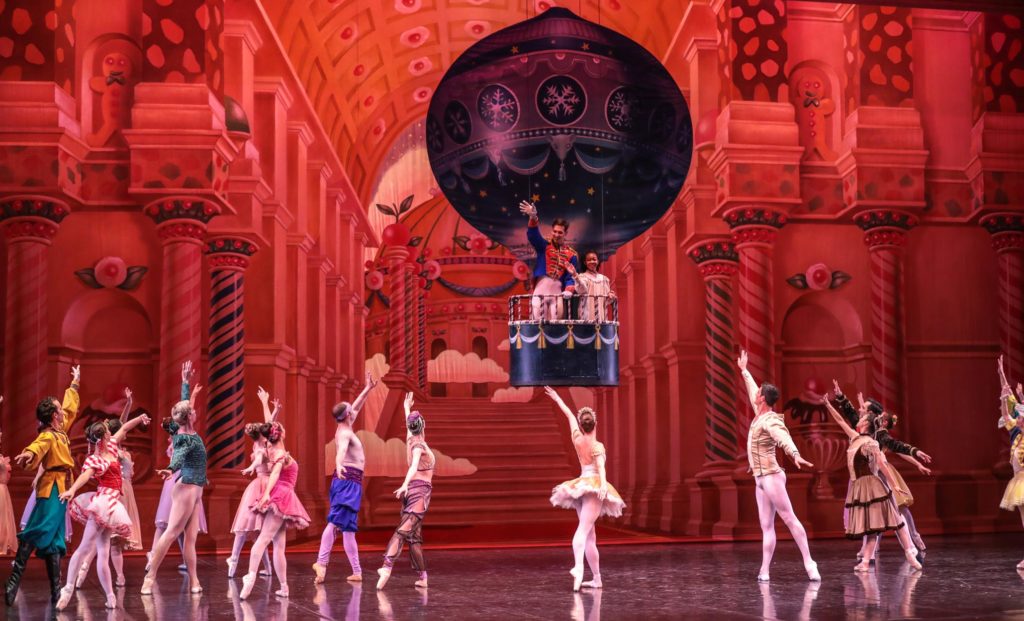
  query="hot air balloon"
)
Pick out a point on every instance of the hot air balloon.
point(583, 122)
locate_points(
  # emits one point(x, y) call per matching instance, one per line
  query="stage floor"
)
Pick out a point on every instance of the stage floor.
point(964, 577)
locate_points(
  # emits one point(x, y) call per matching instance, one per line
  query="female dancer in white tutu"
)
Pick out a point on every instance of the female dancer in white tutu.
point(101, 511)
point(1012, 419)
point(591, 495)
point(248, 523)
point(8, 527)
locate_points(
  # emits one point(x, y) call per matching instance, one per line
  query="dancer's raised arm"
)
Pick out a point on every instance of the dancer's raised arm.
point(141, 419)
point(127, 409)
point(573, 424)
point(269, 416)
point(920, 467)
point(357, 405)
point(410, 400)
point(748, 380)
point(836, 416)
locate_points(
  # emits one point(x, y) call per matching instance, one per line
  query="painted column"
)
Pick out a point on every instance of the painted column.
point(1007, 230)
point(229, 257)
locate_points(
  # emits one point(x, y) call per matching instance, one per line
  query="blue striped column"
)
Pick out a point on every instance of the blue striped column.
point(229, 257)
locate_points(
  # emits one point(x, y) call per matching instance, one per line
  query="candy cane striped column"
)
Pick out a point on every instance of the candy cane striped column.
point(717, 260)
point(753, 233)
point(181, 226)
point(885, 233)
point(29, 226)
point(228, 257)
point(399, 272)
point(1007, 230)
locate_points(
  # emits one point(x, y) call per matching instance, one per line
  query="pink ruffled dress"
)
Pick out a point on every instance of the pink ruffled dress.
point(283, 500)
point(246, 520)
point(104, 505)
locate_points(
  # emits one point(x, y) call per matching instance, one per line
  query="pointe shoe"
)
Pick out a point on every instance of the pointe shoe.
point(232, 566)
point(82, 574)
point(1020, 565)
point(149, 561)
point(319, 573)
point(763, 578)
point(911, 555)
point(385, 574)
point(248, 582)
point(147, 586)
point(862, 567)
point(421, 583)
point(355, 578)
point(577, 578)
point(65, 597)
point(265, 572)
point(183, 567)
point(593, 584)
point(812, 572)
point(196, 589)
point(120, 581)
point(282, 592)
point(111, 602)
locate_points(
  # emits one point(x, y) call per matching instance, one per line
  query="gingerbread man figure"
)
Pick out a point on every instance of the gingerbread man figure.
point(115, 93)
point(809, 94)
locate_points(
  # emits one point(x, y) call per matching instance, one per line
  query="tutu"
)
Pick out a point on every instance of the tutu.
point(134, 540)
point(163, 508)
point(1013, 497)
point(246, 520)
point(283, 500)
point(105, 508)
point(567, 495)
point(870, 508)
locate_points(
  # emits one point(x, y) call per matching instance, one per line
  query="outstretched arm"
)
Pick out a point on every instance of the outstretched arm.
point(187, 372)
point(836, 416)
point(79, 482)
point(127, 405)
point(264, 396)
point(920, 467)
point(1003, 382)
point(574, 426)
point(407, 404)
point(748, 380)
point(257, 459)
point(141, 419)
point(357, 405)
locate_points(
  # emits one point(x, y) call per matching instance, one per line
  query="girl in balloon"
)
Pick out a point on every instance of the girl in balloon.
point(594, 286)
point(590, 494)
point(101, 511)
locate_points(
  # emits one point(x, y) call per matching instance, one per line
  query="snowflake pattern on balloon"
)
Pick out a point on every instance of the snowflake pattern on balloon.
point(435, 137)
point(457, 123)
point(498, 108)
point(622, 109)
point(663, 122)
point(561, 100)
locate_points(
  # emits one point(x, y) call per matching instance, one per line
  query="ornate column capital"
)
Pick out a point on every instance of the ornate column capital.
point(1006, 229)
point(754, 225)
point(34, 218)
point(716, 258)
point(230, 252)
point(181, 219)
point(885, 228)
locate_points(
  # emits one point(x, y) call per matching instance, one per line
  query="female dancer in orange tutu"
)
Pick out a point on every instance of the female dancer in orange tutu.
point(591, 495)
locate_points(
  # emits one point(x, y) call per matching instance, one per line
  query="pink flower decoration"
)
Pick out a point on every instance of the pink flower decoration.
point(110, 271)
point(433, 269)
point(818, 276)
point(374, 280)
point(479, 244)
point(520, 270)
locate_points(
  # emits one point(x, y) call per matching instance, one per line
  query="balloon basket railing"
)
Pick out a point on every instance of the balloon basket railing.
point(559, 341)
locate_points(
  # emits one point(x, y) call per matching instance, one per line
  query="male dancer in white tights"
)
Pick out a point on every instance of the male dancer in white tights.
point(768, 430)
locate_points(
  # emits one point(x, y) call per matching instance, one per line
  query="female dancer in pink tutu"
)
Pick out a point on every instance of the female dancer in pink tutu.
point(248, 523)
point(591, 495)
point(8, 527)
point(415, 495)
point(163, 508)
point(101, 511)
point(282, 510)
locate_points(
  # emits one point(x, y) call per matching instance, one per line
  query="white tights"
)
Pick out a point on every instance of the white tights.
point(94, 539)
point(273, 531)
point(772, 498)
point(584, 542)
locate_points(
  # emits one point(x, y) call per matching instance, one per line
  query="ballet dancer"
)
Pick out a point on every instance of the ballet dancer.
point(1012, 420)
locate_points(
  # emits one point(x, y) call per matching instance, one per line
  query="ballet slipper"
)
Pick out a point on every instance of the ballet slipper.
point(183, 567)
point(812, 572)
point(149, 560)
point(320, 573)
point(385, 574)
point(248, 582)
point(232, 566)
point(282, 592)
point(111, 602)
point(421, 583)
point(264, 572)
point(147, 586)
point(82, 574)
point(65, 597)
point(763, 577)
point(355, 578)
point(911, 555)
point(593, 584)
point(196, 589)
point(862, 567)
point(577, 578)
point(120, 581)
